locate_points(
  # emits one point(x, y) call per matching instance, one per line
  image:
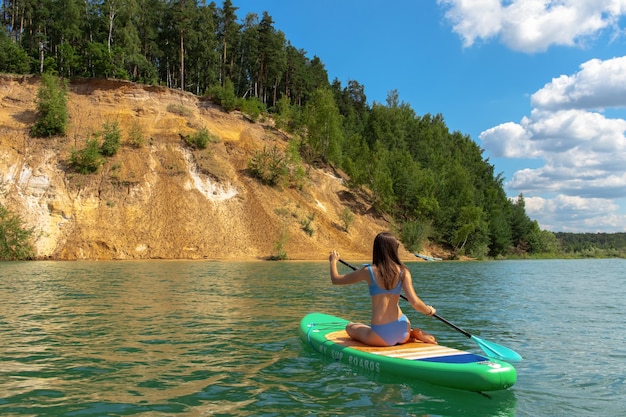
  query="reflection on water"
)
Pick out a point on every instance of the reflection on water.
point(204, 338)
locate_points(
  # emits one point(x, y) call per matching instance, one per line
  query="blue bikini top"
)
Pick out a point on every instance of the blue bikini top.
point(376, 290)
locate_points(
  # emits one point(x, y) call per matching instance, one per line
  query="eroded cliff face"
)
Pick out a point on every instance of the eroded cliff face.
point(164, 200)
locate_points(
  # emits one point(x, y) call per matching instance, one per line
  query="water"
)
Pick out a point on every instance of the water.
point(163, 338)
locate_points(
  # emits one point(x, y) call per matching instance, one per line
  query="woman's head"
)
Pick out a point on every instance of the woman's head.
point(385, 248)
point(386, 258)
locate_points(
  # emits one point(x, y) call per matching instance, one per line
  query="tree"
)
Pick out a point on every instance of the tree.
point(148, 26)
point(227, 33)
point(111, 138)
point(13, 58)
point(63, 34)
point(203, 57)
point(51, 107)
point(520, 224)
point(183, 12)
point(294, 84)
point(323, 121)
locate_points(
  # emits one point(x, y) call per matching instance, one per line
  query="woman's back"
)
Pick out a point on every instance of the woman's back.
point(384, 302)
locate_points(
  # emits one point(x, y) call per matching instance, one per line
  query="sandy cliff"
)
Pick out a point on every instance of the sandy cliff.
point(163, 200)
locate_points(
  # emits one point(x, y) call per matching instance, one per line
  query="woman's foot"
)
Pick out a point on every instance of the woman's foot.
point(422, 336)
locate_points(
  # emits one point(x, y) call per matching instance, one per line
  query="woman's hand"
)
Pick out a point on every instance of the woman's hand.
point(333, 257)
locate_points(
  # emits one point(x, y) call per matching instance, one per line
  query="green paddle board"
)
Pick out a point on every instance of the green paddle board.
point(435, 364)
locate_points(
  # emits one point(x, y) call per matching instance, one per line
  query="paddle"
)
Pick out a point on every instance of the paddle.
point(492, 350)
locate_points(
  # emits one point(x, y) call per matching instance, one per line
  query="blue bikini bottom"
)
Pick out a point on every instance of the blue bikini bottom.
point(393, 332)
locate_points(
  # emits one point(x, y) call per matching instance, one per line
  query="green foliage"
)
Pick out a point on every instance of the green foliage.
point(280, 254)
point(252, 107)
point(347, 217)
point(136, 136)
point(51, 108)
point(284, 115)
point(587, 244)
point(414, 234)
point(179, 109)
point(200, 139)
point(111, 138)
point(13, 59)
point(224, 95)
point(88, 159)
point(469, 221)
point(275, 168)
point(269, 166)
point(296, 173)
point(323, 124)
point(380, 179)
point(307, 224)
point(15, 239)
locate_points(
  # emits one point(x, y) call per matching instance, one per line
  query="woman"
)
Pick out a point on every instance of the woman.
point(385, 279)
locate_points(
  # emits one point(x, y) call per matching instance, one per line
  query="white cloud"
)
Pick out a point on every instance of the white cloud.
point(584, 151)
point(575, 214)
point(532, 25)
point(598, 85)
point(509, 140)
point(582, 148)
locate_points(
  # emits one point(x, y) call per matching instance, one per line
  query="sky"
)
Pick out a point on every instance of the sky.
point(539, 85)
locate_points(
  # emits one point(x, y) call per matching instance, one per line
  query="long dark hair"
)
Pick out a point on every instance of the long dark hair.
point(386, 259)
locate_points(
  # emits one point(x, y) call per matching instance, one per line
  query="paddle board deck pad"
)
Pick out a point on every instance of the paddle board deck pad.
point(435, 364)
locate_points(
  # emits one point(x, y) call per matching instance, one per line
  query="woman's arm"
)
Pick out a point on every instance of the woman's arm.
point(412, 298)
point(338, 279)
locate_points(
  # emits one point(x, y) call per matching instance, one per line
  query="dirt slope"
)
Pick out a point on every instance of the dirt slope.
point(163, 200)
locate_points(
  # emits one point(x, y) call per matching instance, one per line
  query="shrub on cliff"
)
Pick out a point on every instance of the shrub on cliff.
point(88, 159)
point(269, 166)
point(15, 240)
point(199, 140)
point(51, 107)
point(224, 95)
point(111, 135)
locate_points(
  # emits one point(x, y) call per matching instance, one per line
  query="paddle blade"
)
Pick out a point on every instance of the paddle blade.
point(494, 350)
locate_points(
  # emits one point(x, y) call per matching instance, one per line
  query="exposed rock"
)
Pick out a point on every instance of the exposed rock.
point(164, 200)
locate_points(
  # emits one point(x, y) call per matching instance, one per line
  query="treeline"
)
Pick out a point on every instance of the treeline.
point(592, 244)
point(432, 183)
point(185, 44)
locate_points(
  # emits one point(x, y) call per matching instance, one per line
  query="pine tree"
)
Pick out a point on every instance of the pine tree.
point(51, 107)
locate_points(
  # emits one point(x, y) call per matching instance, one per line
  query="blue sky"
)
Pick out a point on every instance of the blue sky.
point(540, 85)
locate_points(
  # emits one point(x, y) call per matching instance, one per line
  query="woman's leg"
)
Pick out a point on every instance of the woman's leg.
point(423, 336)
point(364, 334)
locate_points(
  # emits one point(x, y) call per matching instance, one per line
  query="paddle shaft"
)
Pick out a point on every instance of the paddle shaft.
point(438, 317)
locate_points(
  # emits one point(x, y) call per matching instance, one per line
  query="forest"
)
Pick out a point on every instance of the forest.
point(432, 183)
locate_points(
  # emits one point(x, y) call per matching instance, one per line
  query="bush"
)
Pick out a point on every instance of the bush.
point(296, 171)
point(87, 160)
point(135, 136)
point(200, 139)
point(110, 139)
point(347, 218)
point(15, 240)
point(269, 166)
point(225, 95)
point(179, 109)
point(414, 233)
point(306, 224)
point(252, 107)
point(280, 254)
point(51, 108)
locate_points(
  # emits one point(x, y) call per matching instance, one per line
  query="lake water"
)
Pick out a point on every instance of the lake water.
point(195, 338)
